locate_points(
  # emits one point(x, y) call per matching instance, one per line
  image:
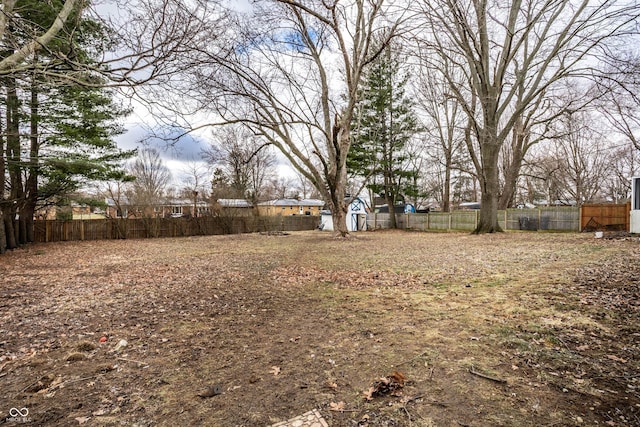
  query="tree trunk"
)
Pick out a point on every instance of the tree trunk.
point(3, 236)
point(31, 187)
point(3, 201)
point(446, 188)
point(335, 194)
point(337, 176)
point(13, 163)
point(339, 216)
point(26, 218)
point(392, 211)
point(510, 182)
point(9, 229)
point(490, 186)
point(519, 146)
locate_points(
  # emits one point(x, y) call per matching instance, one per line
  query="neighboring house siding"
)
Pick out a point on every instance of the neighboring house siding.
point(288, 207)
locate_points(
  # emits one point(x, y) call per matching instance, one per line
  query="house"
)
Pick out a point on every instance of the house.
point(172, 208)
point(233, 207)
point(356, 217)
point(290, 207)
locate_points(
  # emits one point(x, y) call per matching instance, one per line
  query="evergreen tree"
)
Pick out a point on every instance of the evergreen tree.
point(384, 124)
point(59, 122)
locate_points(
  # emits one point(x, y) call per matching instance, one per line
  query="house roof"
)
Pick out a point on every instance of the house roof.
point(293, 202)
point(235, 203)
point(171, 202)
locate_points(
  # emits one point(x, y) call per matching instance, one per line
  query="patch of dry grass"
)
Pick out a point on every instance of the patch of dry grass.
point(284, 324)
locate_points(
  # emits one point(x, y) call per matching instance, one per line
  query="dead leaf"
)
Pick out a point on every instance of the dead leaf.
point(582, 347)
point(99, 412)
point(616, 358)
point(369, 393)
point(82, 420)
point(398, 377)
point(211, 391)
point(337, 407)
point(387, 385)
point(275, 371)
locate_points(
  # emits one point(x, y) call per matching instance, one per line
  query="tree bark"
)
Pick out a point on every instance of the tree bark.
point(13, 160)
point(392, 209)
point(3, 236)
point(9, 229)
point(339, 217)
point(446, 189)
point(512, 170)
point(490, 184)
point(337, 175)
point(31, 188)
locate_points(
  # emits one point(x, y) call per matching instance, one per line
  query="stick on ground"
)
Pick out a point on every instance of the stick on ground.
point(485, 376)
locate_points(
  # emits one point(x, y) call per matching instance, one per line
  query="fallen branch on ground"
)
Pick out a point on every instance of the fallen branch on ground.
point(485, 376)
point(131, 360)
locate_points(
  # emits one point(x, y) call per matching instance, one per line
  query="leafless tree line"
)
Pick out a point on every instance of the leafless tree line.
point(495, 80)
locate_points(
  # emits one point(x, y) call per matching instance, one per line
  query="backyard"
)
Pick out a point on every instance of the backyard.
point(382, 329)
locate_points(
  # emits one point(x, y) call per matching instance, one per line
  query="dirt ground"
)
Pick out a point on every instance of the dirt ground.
point(385, 329)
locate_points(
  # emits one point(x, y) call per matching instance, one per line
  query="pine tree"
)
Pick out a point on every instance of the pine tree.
point(59, 122)
point(384, 124)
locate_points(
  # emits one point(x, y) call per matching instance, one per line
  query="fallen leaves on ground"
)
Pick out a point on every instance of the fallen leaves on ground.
point(390, 385)
point(337, 407)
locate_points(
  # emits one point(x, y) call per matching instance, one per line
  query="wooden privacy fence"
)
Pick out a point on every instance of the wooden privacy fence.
point(121, 228)
point(600, 217)
point(543, 218)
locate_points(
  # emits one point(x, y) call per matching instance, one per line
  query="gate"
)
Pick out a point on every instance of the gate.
point(606, 216)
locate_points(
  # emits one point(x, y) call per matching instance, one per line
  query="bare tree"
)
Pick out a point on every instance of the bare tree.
point(543, 175)
point(151, 180)
point(244, 161)
point(620, 100)
point(305, 189)
point(114, 196)
point(444, 125)
point(196, 183)
point(147, 43)
point(581, 152)
point(290, 72)
point(624, 163)
point(280, 187)
point(511, 54)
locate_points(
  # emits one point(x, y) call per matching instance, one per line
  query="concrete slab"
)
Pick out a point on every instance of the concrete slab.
point(308, 419)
